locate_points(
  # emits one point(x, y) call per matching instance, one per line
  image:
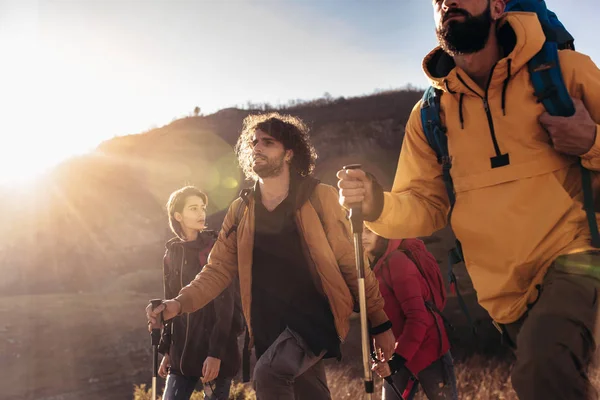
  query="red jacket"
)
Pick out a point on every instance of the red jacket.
point(413, 325)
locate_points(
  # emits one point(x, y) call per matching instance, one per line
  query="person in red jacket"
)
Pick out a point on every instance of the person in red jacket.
point(423, 350)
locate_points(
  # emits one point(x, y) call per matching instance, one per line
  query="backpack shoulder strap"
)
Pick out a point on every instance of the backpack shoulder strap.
point(246, 351)
point(410, 256)
point(435, 133)
point(315, 200)
point(548, 83)
point(551, 90)
point(240, 211)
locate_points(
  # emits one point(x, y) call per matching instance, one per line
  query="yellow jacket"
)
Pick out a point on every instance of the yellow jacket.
point(514, 220)
point(329, 252)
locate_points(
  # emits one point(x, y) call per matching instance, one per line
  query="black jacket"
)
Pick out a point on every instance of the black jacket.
point(211, 331)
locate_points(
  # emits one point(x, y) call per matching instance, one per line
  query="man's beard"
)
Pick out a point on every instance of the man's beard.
point(271, 168)
point(465, 37)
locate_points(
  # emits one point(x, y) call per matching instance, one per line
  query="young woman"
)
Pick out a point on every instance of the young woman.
point(199, 346)
point(422, 354)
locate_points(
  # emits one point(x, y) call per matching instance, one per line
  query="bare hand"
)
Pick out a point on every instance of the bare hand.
point(210, 369)
point(164, 366)
point(385, 345)
point(356, 187)
point(169, 308)
point(574, 135)
point(382, 369)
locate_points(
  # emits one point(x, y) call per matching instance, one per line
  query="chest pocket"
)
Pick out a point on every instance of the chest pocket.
point(476, 137)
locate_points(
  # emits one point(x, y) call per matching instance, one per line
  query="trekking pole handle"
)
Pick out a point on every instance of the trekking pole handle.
point(155, 333)
point(356, 217)
point(389, 378)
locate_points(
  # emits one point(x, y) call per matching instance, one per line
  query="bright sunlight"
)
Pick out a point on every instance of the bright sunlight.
point(61, 95)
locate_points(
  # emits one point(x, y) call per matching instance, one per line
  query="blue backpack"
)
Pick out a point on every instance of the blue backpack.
point(550, 90)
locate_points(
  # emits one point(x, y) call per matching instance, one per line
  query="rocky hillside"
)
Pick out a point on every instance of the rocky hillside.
point(101, 216)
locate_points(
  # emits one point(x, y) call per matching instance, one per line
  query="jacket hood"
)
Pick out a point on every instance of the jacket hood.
point(521, 36)
point(402, 244)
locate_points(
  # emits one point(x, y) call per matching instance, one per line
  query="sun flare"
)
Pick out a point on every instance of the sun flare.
point(22, 163)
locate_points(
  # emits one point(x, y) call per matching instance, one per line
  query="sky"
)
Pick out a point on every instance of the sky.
point(76, 72)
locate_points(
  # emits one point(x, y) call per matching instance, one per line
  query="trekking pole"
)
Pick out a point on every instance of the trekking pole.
point(155, 339)
point(389, 378)
point(356, 220)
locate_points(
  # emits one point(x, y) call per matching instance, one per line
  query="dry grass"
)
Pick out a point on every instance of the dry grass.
point(238, 391)
point(478, 379)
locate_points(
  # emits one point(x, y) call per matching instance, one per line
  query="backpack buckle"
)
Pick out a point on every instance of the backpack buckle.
point(445, 161)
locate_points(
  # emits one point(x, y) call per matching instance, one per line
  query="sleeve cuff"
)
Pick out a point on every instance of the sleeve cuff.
point(396, 362)
point(186, 303)
point(594, 152)
point(378, 200)
point(214, 353)
point(164, 350)
point(376, 330)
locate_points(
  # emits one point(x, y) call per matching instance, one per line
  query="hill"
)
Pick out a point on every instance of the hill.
point(101, 215)
point(81, 251)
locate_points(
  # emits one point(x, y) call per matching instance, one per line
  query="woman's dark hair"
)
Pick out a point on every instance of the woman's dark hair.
point(177, 202)
point(288, 130)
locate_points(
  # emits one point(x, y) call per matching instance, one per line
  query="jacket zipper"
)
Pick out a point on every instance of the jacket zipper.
point(500, 159)
point(299, 223)
point(187, 325)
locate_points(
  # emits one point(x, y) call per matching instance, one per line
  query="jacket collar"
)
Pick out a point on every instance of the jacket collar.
point(300, 189)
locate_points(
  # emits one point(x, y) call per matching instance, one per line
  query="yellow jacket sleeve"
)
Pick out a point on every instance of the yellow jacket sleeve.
point(418, 204)
point(585, 85)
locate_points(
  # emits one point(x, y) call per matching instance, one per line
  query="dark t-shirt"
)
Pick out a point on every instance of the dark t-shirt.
point(283, 291)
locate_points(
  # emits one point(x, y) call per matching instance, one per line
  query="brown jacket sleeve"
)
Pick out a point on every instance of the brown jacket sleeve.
point(220, 333)
point(218, 272)
point(339, 234)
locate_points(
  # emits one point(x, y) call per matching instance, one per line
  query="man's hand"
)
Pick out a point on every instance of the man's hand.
point(169, 308)
point(210, 369)
point(382, 369)
point(385, 345)
point(164, 366)
point(356, 187)
point(574, 135)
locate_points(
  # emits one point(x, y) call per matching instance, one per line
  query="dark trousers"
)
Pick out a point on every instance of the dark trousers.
point(437, 380)
point(555, 340)
point(288, 370)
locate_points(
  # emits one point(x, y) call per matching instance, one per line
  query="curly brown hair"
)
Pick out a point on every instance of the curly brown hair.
point(287, 129)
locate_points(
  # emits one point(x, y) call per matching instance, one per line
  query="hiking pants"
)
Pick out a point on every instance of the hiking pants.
point(555, 340)
point(288, 370)
point(437, 380)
